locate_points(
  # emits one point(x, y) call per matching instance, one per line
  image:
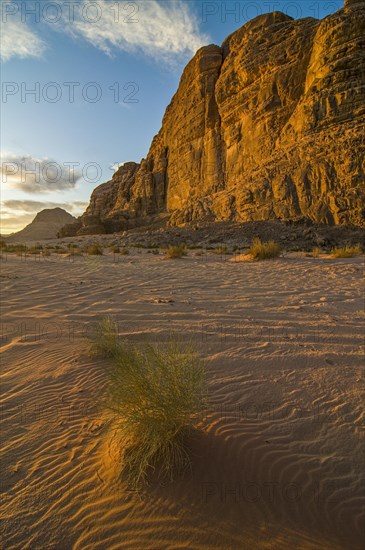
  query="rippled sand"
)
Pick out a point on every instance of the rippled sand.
point(279, 462)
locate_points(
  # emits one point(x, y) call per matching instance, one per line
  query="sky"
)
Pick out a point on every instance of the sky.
point(84, 86)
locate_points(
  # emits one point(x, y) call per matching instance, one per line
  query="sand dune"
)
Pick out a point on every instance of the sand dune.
point(279, 461)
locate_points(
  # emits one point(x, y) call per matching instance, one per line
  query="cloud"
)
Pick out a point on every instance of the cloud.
point(9, 224)
point(18, 40)
point(164, 31)
point(16, 214)
point(37, 206)
point(34, 175)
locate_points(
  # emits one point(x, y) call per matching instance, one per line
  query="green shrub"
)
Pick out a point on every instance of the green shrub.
point(347, 251)
point(95, 250)
point(176, 251)
point(264, 251)
point(157, 394)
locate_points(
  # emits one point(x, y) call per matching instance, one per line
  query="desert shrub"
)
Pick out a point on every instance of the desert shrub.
point(115, 249)
point(34, 250)
point(264, 251)
point(76, 251)
point(60, 250)
point(176, 251)
point(124, 251)
point(222, 250)
point(105, 341)
point(157, 396)
point(17, 248)
point(347, 251)
point(95, 250)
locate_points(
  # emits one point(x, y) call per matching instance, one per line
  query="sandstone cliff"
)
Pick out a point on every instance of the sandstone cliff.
point(270, 125)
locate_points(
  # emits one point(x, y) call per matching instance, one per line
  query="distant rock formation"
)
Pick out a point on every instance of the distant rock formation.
point(271, 125)
point(45, 225)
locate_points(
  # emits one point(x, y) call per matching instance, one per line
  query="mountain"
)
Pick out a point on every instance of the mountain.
point(45, 225)
point(270, 125)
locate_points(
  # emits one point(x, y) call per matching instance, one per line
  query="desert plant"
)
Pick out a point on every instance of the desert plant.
point(115, 249)
point(34, 250)
point(95, 250)
point(264, 251)
point(17, 248)
point(124, 251)
point(157, 394)
point(60, 250)
point(176, 251)
point(347, 251)
point(105, 340)
point(222, 250)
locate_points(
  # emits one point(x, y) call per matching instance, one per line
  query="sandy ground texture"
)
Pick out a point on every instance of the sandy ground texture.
point(279, 463)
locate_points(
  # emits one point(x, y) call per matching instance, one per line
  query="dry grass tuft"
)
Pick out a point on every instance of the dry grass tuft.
point(176, 251)
point(347, 251)
point(157, 395)
point(264, 251)
point(95, 250)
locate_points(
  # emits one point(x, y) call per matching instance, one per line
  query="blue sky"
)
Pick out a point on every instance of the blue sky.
point(103, 72)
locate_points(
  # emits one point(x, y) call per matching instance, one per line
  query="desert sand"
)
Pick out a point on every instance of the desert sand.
point(278, 463)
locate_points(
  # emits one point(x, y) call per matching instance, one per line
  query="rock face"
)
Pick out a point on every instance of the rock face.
point(270, 125)
point(45, 225)
point(111, 203)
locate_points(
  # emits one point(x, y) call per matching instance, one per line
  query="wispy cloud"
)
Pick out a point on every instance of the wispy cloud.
point(10, 223)
point(37, 206)
point(18, 40)
point(16, 214)
point(34, 175)
point(162, 30)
